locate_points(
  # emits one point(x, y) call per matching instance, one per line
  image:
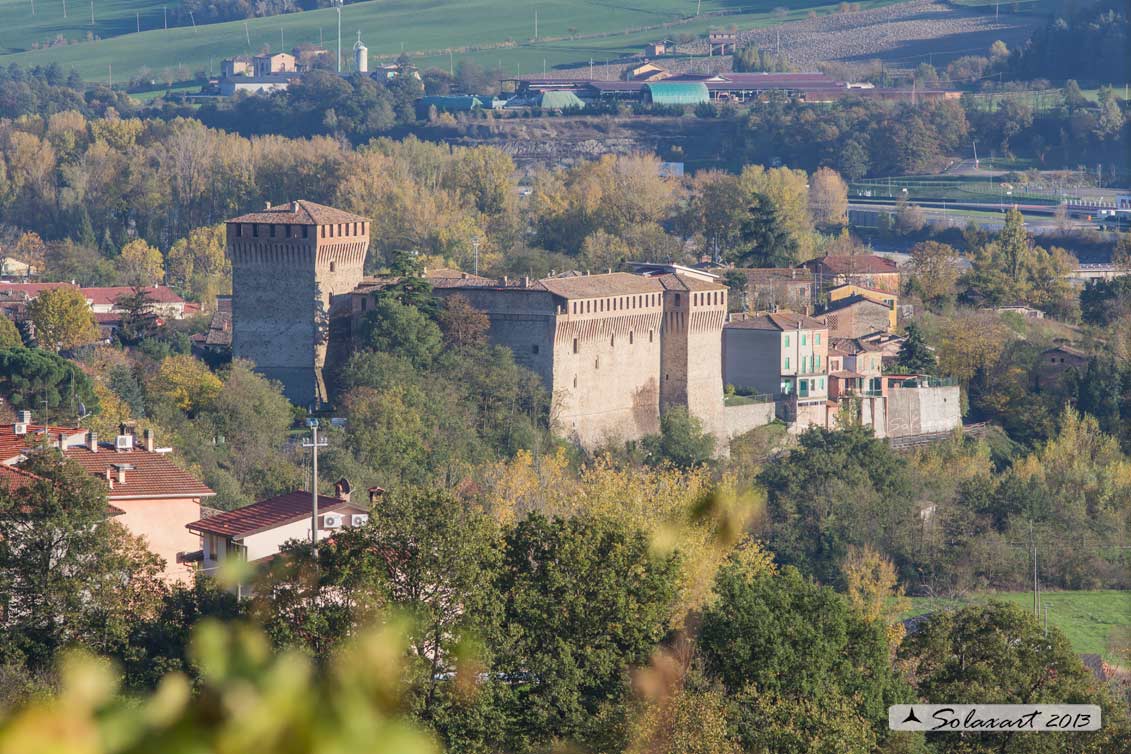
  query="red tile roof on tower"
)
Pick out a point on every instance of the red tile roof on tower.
point(148, 475)
point(299, 212)
point(675, 281)
point(598, 286)
point(267, 514)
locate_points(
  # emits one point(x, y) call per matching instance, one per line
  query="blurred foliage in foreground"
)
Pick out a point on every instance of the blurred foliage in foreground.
point(247, 699)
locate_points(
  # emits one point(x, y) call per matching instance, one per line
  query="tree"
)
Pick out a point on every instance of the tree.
point(199, 265)
point(1000, 654)
point(835, 490)
point(573, 625)
point(779, 639)
point(187, 382)
point(62, 319)
point(139, 321)
point(9, 334)
point(872, 587)
point(681, 442)
point(402, 330)
point(462, 324)
point(828, 197)
point(764, 239)
point(68, 572)
point(140, 264)
point(909, 218)
point(915, 355)
point(29, 376)
point(935, 272)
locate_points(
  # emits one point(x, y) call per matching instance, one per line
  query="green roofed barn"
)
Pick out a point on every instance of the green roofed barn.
point(560, 100)
point(676, 93)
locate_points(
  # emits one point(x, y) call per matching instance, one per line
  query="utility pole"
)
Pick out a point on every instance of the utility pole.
point(535, 24)
point(247, 35)
point(193, 19)
point(338, 8)
point(137, 18)
point(64, 8)
point(164, 11)
point(314, 444)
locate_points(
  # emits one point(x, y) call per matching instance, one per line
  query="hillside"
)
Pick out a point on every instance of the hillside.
point(497, 31)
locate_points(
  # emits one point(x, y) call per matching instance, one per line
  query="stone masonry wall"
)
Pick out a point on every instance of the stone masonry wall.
point(914, 411)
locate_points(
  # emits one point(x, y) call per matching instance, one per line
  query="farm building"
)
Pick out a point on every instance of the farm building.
point(560, 101)
point(676, 93)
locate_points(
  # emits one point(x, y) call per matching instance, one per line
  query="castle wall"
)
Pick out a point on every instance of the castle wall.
point(606, 369)
point(744, 418)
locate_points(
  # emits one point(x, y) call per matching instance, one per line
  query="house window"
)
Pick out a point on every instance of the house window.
point(534, 349)
point(817, 338)
point(575, 380)
point(802, 340)
point(787, 341)
point(575, 345)
point(651, 334)
point(822, 381)
point(612, 340)
point(677, 299)
point(239, 230)
point(630, 337)
point(597, 363)
point(255, 231)
point(333, 266)
point(787, 362)
point(306, 231)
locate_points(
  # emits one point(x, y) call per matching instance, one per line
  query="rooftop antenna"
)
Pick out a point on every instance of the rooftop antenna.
point(193, 19)
point(338, 8)
point(164, 11)
point(137, 18)
point(64, 8)
point(92, 12)
point(33, 7)
point(535, 23)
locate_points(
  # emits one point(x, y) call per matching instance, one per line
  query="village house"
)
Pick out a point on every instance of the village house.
point(891, 300)
point(856, 316)
point(784, 355)
point(855, 368)
point(769, 289)
point(258, 531)
point(12, 269)
point(1055, 362)
point(868, 270)
point(889, 345)
point(153, 498)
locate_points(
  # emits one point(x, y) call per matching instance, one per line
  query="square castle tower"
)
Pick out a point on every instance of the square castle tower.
point(292, 265)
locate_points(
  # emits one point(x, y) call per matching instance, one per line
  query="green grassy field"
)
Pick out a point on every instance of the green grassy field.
point(1096, 622)
point(489, 31)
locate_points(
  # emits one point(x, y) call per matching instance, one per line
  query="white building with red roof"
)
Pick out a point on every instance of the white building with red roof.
point(258, 531)
point(151, 496)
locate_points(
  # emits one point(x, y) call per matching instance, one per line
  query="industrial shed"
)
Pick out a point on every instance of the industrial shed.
point(676, 93)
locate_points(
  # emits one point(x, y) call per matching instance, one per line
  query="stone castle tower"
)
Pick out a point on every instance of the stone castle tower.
point(691, 370)
point(292, 265)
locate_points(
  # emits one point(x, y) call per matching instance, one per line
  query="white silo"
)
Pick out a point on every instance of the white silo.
point(360, 56)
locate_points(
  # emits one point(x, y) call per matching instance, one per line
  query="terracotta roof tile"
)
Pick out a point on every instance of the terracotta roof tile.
point(779, 321)
point(678, 282)
point(152, 475)
point(159, 294)
point(267, 514)
point(854, 264)
point(853, 300)
point(299, 212)
point(598, 286)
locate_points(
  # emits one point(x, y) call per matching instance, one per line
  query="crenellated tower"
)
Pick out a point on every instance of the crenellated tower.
point(292, 265)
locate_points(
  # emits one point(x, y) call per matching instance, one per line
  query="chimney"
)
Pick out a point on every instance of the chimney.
point(62, 441)
point(266, 205)
point(92, 441)
point(525, 281)
point(110, 476)
point(148, 435)
point(294, 206)
point(342, 489)
point(121, 473)
point(375, 494)
point(506, 280)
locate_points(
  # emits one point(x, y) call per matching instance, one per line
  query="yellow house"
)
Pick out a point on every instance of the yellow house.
point(880, 297)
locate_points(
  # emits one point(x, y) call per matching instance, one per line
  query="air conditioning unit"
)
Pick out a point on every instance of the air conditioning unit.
point(331, 521)
point(24, 417)
point(358, 519)
point(124, 442)
point(20, 428)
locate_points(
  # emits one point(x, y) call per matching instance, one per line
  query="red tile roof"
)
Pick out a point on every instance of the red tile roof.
point(779, 321)
point(267, 514)
point(300, 212)
point(13, 478)
point(152, 475)
point(160, 294)
point(854, 264)
point(13, 445)
point(30, 290)
point(599, 286)
point(676, 281)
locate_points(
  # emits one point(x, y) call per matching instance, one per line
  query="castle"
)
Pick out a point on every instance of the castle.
point(615, 350)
